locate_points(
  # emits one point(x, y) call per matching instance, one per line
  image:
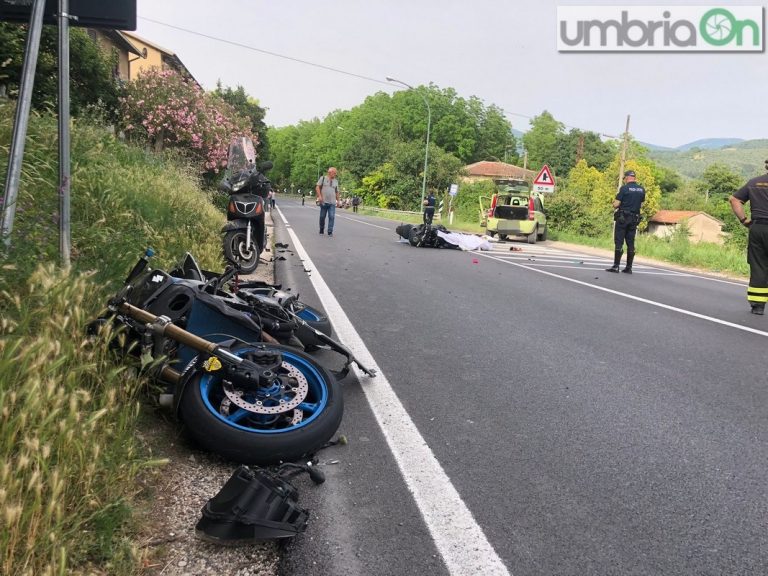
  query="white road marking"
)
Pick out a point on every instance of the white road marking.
point(460, 540)
point(630, 296)
point(544, 252)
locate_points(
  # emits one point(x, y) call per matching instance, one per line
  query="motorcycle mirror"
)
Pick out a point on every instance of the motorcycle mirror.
point(266, 165)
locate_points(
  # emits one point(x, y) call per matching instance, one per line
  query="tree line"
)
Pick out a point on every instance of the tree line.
point(378, 146)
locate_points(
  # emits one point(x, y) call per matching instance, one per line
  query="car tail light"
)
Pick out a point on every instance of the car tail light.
point(494, 198)
point(530, 208)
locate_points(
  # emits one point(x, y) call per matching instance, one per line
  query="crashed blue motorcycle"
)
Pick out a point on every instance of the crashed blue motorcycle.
point(238, 390)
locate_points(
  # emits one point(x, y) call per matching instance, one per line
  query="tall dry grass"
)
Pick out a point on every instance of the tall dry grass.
point(69, 414)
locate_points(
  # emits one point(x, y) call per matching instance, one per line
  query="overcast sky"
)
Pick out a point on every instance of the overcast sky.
point(503, 52)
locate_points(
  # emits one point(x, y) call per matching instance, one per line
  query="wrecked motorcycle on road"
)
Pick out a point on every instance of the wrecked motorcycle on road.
point(238, 390)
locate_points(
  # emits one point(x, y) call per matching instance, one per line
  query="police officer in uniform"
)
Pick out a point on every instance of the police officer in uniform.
point(627, 216)
point(429, 208)
point(756, 193)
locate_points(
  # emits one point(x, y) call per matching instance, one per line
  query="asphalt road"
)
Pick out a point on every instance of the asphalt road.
point(589, 423)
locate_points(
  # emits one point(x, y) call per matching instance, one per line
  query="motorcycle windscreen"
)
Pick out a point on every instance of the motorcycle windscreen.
point(148, 286)
point(242, 155)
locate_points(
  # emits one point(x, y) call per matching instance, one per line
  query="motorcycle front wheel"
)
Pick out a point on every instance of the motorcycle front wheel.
point(294, 417)
point(238, 251)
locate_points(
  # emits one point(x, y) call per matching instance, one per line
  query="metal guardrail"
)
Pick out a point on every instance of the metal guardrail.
point(377, 209)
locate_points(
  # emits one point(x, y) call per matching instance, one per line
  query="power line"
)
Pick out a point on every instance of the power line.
point(268, 52)
point(321, 66)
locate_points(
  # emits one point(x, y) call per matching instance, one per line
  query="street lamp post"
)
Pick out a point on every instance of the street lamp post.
point(317, 158)
point(426, 149)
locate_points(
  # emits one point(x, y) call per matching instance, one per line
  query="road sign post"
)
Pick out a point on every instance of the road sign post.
point(544, 181)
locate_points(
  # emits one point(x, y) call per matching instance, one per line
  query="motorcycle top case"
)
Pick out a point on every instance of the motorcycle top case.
point(244, 206)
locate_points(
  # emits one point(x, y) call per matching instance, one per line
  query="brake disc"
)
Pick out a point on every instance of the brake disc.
point(293, 391)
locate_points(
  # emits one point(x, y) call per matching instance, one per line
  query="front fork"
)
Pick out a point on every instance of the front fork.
point(248, 236)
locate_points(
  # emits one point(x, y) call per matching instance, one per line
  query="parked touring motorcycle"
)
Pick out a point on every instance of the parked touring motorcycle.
point(238, 391)
point(248, 187)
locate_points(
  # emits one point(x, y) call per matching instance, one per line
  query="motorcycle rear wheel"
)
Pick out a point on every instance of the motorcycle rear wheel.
point(317, 320)
point(248, 437)
point(237, 251)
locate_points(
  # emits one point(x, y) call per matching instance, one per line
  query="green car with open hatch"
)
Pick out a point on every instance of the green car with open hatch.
point(514, 211)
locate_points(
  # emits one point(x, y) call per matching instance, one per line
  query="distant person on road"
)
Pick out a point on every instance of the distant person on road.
point(429, 208)
point(302, 196)
point(272, 199)
point(327, 192)
point(756, 193)
point(355, 202)
point(626, 217)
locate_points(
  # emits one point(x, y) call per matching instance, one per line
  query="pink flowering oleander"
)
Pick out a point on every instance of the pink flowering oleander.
point(162, 104)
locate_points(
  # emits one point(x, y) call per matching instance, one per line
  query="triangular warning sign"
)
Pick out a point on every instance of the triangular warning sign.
point(545, 177)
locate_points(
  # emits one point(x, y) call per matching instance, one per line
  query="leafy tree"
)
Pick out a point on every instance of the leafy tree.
point(719, 180)
point(582, 145)
point(669, 180)
point(281, 147)
point(687, 197)
point(248, 107)
point(374, 187)
point(542, 141)
point(584, 204)
point(494, 134)
point(580, 206)
point(387, 133)
point(92, 78)
point(466, 203)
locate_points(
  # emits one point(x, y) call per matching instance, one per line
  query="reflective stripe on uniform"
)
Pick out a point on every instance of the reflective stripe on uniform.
point(757, 294)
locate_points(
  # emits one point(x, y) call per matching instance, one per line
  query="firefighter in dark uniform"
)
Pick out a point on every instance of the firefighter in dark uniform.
point(429, 208)
point(756, 193)
point(627, 216)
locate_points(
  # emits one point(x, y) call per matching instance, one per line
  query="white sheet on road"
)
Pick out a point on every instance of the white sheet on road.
point(465, 241)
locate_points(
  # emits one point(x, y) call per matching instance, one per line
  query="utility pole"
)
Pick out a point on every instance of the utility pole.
point(623, 152)
point(580, 149)
point(65, 233)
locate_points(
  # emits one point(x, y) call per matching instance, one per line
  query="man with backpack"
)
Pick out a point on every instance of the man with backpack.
point(327, 191)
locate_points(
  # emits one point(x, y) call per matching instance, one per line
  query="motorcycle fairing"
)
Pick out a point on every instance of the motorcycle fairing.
point(252, 505)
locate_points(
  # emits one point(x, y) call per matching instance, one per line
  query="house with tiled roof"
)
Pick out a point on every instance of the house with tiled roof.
point(486, 170)
point(117, 42)
point(701, 226)
point(155, 56)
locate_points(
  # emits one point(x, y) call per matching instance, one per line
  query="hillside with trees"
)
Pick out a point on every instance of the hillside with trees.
point(745, 158)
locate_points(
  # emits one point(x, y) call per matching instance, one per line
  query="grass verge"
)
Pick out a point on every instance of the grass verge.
point(69, 458)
